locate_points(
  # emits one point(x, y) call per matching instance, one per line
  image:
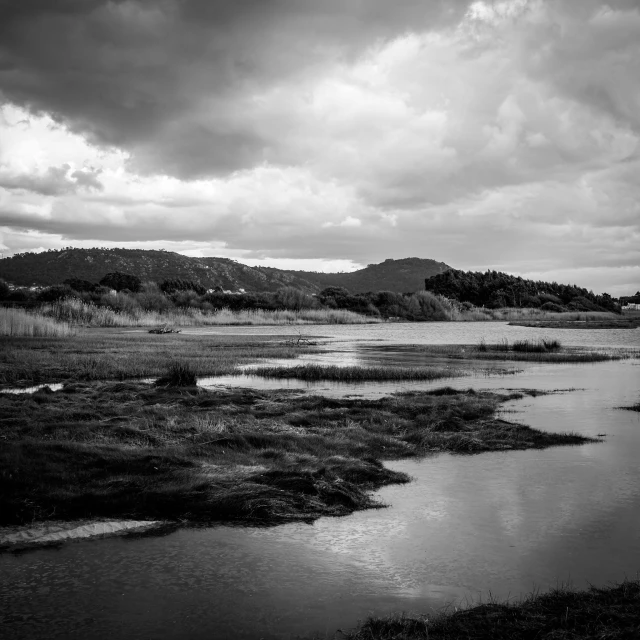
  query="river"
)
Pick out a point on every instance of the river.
point(468, 527)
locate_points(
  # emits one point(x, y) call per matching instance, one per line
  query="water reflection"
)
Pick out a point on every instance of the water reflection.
point(504, 523)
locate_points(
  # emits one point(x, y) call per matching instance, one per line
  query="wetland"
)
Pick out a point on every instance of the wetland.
point(478, 494)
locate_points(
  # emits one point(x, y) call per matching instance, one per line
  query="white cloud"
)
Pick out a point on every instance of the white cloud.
point(510, 138)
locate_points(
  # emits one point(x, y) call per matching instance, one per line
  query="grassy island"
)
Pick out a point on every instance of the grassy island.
point(108, 445)
point(143, 451)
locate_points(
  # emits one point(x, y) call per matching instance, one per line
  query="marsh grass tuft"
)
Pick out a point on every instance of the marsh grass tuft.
point(535, 346)
point(179, 374)
point(561, 614)
point(313, 372)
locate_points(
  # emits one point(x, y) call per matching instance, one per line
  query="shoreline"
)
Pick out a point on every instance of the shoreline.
point(559, 614)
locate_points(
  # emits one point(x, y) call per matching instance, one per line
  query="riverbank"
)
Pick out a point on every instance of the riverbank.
point(142, 452)
point(116, 354)
point(628, 320)
point(524, 351)
point(561, 614)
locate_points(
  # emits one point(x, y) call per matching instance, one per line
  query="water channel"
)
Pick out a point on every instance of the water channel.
point(467, 527)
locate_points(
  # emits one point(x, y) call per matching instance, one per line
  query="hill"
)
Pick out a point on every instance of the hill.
point(402, 276)
point(53, 267)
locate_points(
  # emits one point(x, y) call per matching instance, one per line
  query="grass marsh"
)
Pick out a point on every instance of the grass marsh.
point(76, 311)
point(133, 450)
point(20, 323)
point(102, 354)
point(334, 373)
point(561, 614)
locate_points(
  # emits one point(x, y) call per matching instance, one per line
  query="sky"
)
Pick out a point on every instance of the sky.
point(328, 135)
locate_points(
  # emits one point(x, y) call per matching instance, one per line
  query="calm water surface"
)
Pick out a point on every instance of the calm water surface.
point(501, 523)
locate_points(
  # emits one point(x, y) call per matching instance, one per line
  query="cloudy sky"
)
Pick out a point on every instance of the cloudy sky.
point(328, 135)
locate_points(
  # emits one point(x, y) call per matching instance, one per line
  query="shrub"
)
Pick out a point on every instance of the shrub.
point(552, 307)
point(4, 290)
point(121, 303)
point(119, 281)
point(152, 299)
point(295, 299)
point(580, 303)
point(431, 308)
point(185, 298)
point(549, 297)
point(57, 292)
point(172, 285)
point(79, 285)
point(20, 295)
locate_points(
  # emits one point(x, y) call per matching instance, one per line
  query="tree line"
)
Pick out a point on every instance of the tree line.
point(446, 296)
point(131, 294)
point(494, 289)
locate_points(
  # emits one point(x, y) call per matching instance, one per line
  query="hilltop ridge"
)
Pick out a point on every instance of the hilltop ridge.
point(54, 266)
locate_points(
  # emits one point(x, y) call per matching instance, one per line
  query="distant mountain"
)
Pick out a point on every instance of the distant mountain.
point(402, 276)
point(53, 267)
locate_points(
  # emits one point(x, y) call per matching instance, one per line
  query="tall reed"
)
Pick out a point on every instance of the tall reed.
point(18, 322)
point(77, 311)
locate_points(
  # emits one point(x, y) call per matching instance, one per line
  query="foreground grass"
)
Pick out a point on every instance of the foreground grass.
point(100, 354)
point(138, 451)
point(334, 373)
point(562, 614)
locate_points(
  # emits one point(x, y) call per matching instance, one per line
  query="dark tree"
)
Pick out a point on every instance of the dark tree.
point(120, 281)
point(493, 288)
point(171, 285)
point(78, 284)
point(52, 294)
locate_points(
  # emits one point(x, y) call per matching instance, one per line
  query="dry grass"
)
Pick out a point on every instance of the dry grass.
point(20, 323)
point(75, 311)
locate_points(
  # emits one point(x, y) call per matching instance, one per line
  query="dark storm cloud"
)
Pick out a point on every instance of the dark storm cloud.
point(166, 79)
